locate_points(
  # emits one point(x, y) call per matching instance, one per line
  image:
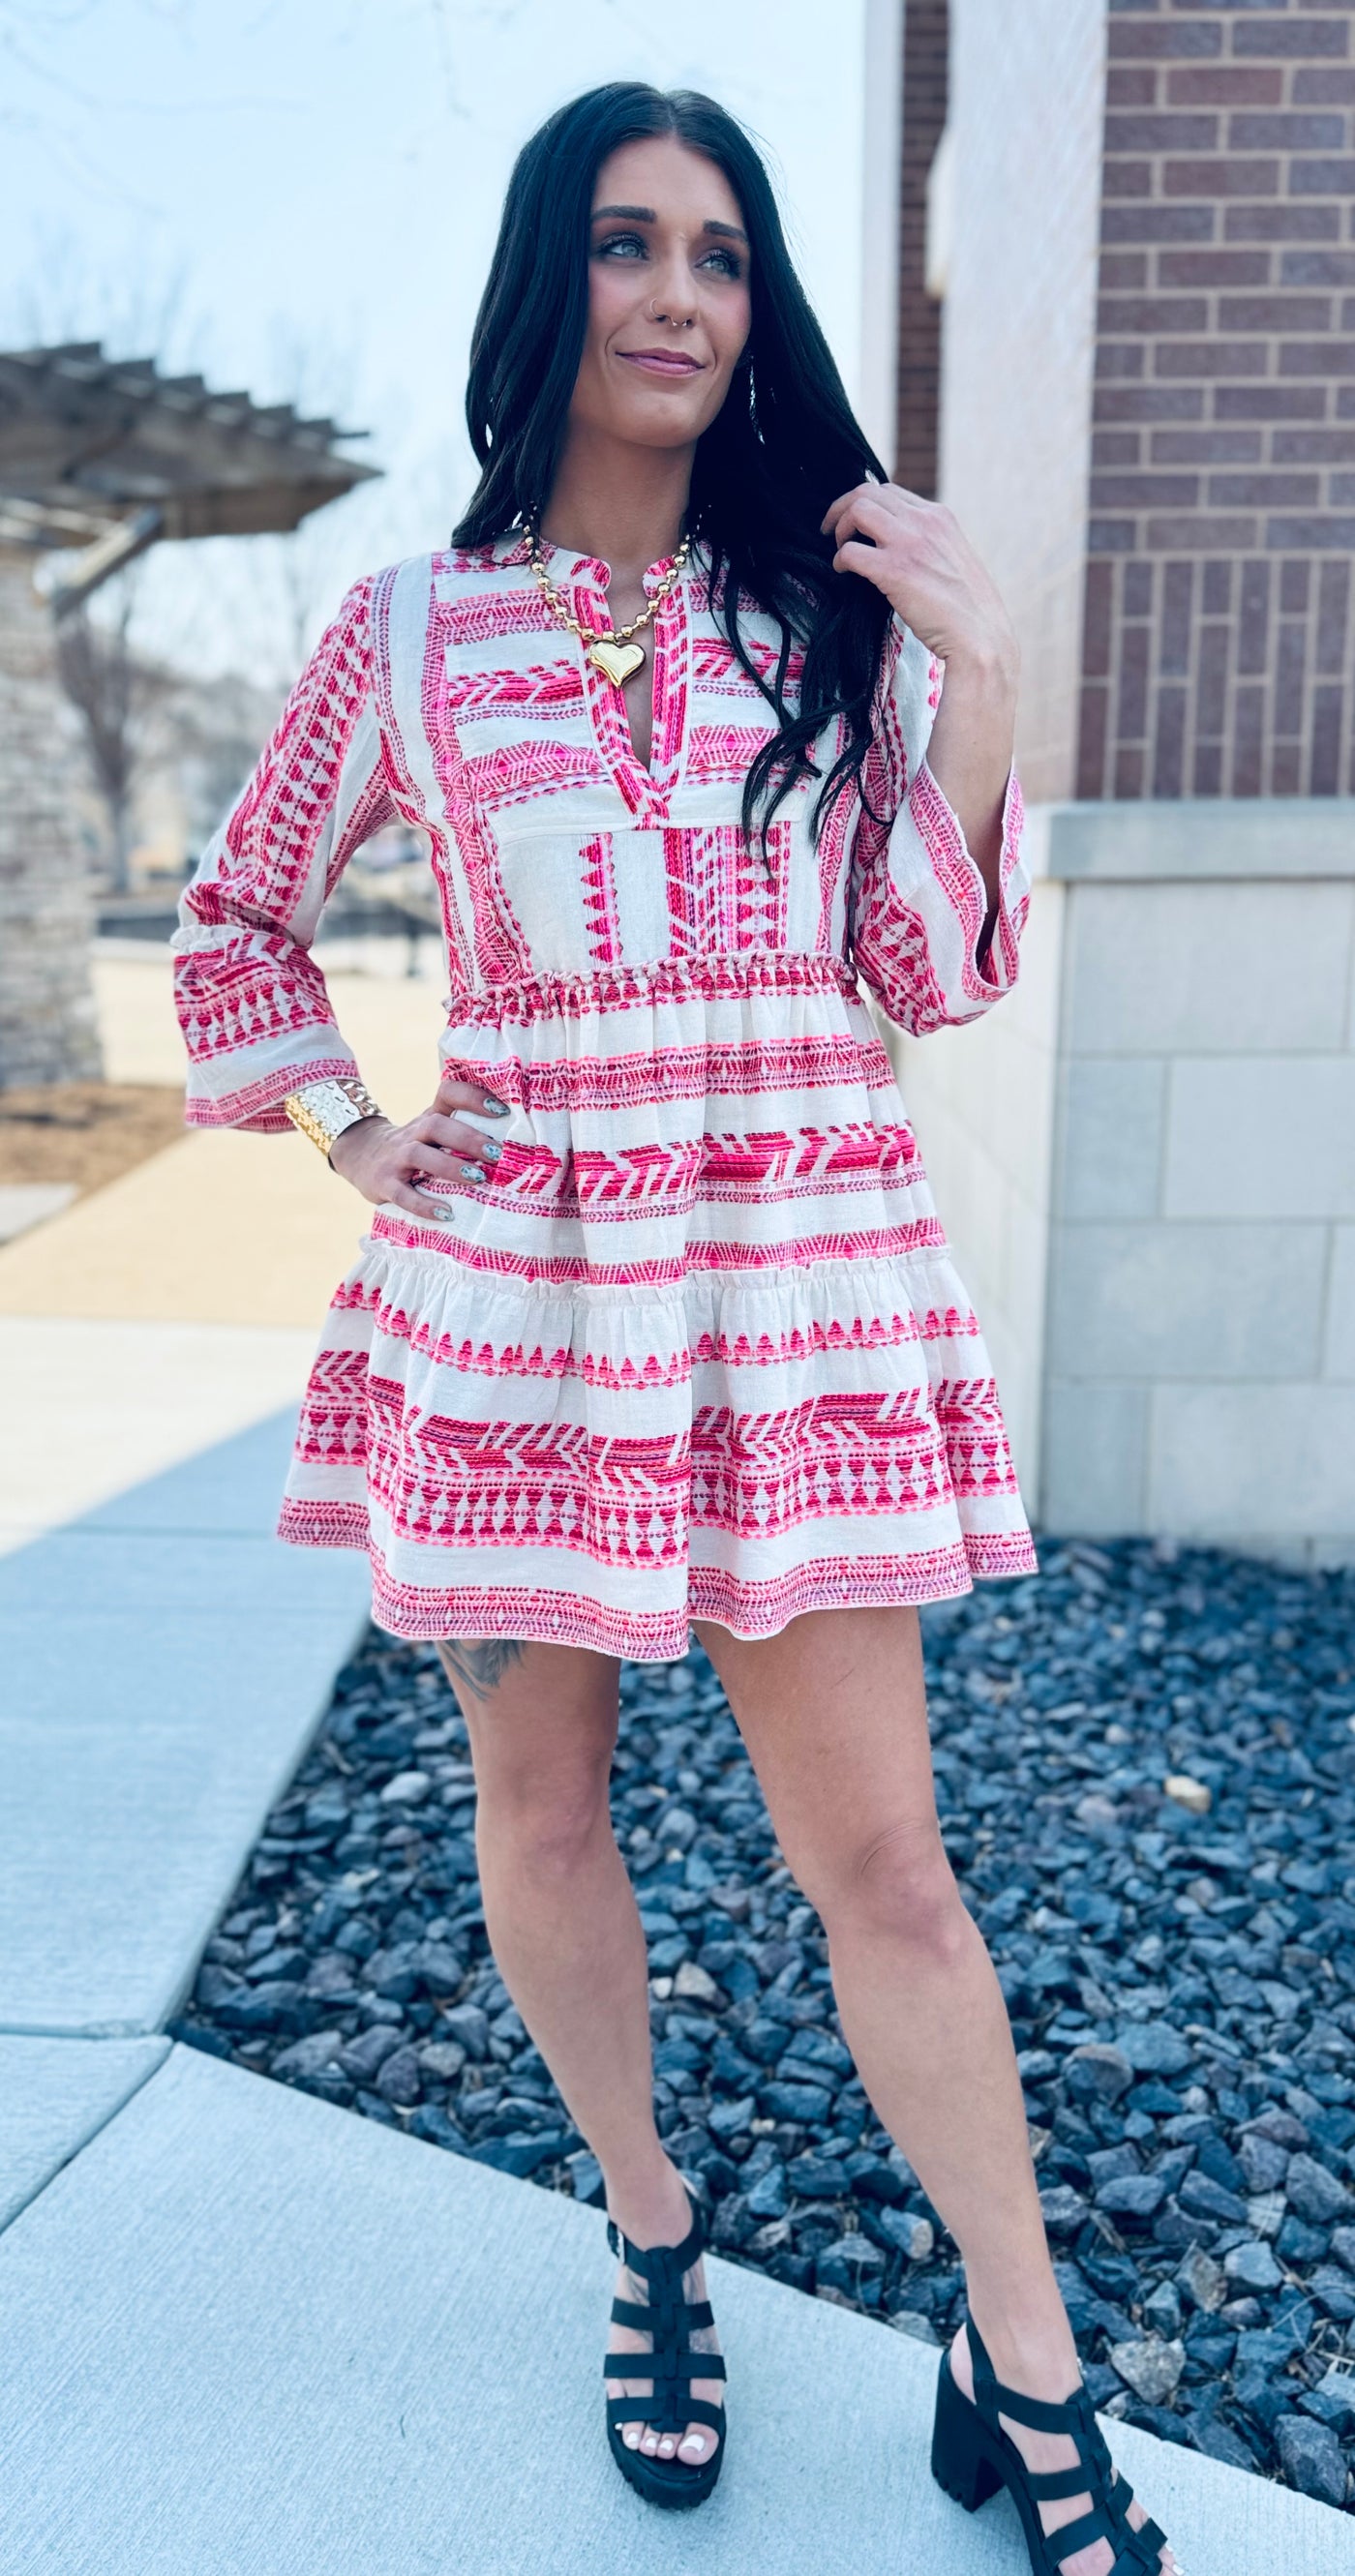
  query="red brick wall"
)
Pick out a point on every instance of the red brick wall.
point(925, 44)
point(1217, 639)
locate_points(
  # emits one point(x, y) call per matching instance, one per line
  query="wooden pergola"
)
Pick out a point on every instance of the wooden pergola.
point(103, 457)
point(107, 456)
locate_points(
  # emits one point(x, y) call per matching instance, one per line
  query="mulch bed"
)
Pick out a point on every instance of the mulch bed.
point(85, 1132)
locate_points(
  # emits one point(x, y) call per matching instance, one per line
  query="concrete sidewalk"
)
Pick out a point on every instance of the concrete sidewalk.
point(292, 2343)
point(165, 1662)
point(93, 1407)
point(248, 2334)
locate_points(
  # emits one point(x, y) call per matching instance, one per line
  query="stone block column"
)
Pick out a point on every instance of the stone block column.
point(48, 1030)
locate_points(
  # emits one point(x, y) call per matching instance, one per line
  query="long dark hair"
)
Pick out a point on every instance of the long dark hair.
point(784, 444)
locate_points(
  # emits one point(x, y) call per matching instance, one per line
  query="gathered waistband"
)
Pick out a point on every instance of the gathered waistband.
point(728, 975)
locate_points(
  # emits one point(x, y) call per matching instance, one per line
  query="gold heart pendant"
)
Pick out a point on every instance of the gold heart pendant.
point(617, 660)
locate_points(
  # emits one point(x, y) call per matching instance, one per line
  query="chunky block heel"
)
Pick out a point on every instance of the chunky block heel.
point(960, 2461)
point(670, 2368)
point(972, 2456)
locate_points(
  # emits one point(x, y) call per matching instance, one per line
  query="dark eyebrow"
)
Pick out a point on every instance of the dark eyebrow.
point(646, 215)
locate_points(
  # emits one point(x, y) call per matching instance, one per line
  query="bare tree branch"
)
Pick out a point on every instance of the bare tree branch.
point(112, 690)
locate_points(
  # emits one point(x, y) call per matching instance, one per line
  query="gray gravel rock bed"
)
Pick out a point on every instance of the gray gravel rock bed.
point(1145, 1762)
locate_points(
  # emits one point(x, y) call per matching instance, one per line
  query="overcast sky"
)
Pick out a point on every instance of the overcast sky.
point(299, 197)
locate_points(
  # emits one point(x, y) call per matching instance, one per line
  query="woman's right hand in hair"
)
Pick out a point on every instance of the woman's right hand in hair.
point(387, 1163)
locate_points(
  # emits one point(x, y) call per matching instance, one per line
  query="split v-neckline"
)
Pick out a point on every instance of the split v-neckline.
point(645, 786)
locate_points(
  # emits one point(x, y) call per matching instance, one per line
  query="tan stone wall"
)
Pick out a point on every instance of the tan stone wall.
point(1222, 522)
point(1026, 89)
point(47, 1024)
point(1199, 1355)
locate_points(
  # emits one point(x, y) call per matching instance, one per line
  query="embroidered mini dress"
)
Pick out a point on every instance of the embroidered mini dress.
point(695, 1347)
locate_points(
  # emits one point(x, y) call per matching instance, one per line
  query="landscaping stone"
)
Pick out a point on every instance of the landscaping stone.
point(310, 2056)
point(1205, 2280)
point(1152, 2048)
point(1131, 2196)
point(1181, 1984)
point(1337, 2390)
point(1253, 2264)
point(1315, 2193)
point(1312, 2459)
point(1264, 2165)
point(1093, 2069)
point(1162, 2310)
point(1150, 2367)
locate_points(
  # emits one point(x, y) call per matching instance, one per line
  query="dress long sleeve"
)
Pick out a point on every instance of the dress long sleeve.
point(917, 899)
point(252, 1003)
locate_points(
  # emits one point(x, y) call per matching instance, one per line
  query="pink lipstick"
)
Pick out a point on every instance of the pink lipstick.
point(661, 362)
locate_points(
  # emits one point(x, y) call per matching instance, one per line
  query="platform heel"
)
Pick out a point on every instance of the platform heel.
point(972, 2456)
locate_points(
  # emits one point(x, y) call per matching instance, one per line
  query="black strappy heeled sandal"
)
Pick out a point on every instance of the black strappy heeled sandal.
point(670, 2368)
point(972, 2457)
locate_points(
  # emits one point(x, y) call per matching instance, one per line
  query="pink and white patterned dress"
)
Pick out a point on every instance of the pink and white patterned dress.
point(696, 1348)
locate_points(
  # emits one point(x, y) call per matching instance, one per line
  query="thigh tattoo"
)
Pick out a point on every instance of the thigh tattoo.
point(479, 1663)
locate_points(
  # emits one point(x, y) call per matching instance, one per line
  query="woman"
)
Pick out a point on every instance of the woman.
point(655, 1327)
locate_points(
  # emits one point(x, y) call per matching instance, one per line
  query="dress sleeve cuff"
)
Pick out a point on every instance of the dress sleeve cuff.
point(960, 878)
point(257, 1104)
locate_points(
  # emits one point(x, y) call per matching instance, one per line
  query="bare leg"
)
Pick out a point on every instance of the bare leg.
point(833, 1711)
point(567, 1938)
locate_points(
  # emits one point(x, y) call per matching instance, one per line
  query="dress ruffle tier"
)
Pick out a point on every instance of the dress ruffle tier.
point(676, 1359)
point(738, 1451)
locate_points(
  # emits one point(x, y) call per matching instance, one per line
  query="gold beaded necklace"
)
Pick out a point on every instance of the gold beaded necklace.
point(613, 652)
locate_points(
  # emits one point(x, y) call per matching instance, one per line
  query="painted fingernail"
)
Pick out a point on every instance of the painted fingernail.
point(498, 1107)
point(473, 1171)
point(491, 1149)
